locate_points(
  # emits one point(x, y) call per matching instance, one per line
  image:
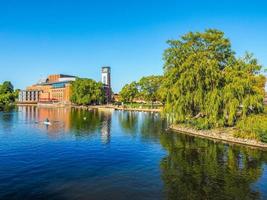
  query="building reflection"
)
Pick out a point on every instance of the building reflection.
point(78, 122)
point(106, 127)
point(59, 118)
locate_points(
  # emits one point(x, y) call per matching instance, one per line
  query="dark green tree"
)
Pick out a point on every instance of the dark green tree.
point(129, 92)
point(7, 94)
point(6, 87)
point(149, 87)
point(87, 91)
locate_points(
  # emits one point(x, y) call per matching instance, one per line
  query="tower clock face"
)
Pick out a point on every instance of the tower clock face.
point(105, 70)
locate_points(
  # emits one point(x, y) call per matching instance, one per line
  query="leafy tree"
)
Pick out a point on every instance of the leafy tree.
point(7, 94)
point(87, 91)
point(206, 84)
point(6, 87)
point(129, 92)
point(149, 87)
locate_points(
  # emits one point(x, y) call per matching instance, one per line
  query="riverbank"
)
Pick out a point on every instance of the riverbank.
point(90, 107)
point(223, 134)
point(138, 109)
point(110, 106)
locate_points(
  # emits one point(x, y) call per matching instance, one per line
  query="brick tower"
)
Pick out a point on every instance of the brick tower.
point(105, 75)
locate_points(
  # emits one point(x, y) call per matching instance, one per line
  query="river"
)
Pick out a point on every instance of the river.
point(119, 155)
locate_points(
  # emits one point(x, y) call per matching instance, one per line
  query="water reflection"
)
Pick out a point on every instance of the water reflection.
point(149, 125)
point(201, 169)
point(78, 122)
point(142, 160)
point(152, 126)
point(7, 119)
point(129, 122)
point(106, 127)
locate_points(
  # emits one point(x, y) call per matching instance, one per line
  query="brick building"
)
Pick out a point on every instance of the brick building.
point(56, 88)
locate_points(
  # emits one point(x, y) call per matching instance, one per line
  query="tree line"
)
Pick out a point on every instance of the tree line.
point(147, 89)
point(7, 94)
point(204, 83)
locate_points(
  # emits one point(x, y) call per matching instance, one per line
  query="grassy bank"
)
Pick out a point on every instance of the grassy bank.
point(140, 105)
point(253, 127)
point(225, 135)
point(251, 130)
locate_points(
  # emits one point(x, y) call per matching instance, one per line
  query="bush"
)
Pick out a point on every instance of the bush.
point(200, 124)
point(252, 127)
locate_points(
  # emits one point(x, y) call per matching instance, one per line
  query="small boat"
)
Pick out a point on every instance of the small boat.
point(47, 123)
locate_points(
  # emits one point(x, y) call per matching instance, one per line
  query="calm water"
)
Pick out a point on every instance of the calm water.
point(119, 155)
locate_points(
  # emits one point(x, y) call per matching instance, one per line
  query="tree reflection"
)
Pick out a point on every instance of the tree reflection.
point(83, 122)
point(152, 126)
point(201, 169)
point(129, 122)
point(7, 118)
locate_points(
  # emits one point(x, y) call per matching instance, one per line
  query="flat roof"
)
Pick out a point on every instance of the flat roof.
point(55, 82)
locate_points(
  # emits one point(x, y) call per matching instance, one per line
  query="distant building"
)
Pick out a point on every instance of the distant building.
point(106, 80)
point(56, 88)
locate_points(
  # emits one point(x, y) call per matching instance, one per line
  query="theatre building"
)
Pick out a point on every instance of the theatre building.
point(56, 88)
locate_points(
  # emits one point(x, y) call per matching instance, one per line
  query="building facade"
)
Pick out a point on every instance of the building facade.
point(55, 88)
point(31, 96)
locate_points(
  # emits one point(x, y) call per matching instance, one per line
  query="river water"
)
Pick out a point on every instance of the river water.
point(119, 155)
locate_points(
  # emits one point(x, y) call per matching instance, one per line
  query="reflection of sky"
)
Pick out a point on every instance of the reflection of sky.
point(33, 163)
point(261, 184)
point(101, 162)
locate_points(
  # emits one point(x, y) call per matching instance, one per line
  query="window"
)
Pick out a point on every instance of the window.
point(104, 79)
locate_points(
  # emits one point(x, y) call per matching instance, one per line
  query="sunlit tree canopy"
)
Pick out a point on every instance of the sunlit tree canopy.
point(205, 83)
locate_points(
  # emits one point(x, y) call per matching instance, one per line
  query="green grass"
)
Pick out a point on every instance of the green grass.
point(252, 127)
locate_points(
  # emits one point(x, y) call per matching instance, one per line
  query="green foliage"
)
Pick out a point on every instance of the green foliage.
point(204, 79)
point(252, 127)
point(87, 91)
point(6, 88)
point(129, 92)
point(6, 98)
point(149, 87)
point(7, 94)
point(200, 123)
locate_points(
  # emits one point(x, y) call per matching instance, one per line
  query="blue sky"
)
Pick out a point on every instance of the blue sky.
point(77, 37)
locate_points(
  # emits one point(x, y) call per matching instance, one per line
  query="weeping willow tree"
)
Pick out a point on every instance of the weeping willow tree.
point(204, 82)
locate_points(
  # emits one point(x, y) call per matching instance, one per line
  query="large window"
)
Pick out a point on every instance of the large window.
point(58, 85)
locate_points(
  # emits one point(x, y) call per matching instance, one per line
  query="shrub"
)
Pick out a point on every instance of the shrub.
point(252, 127)
point(200, 124)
